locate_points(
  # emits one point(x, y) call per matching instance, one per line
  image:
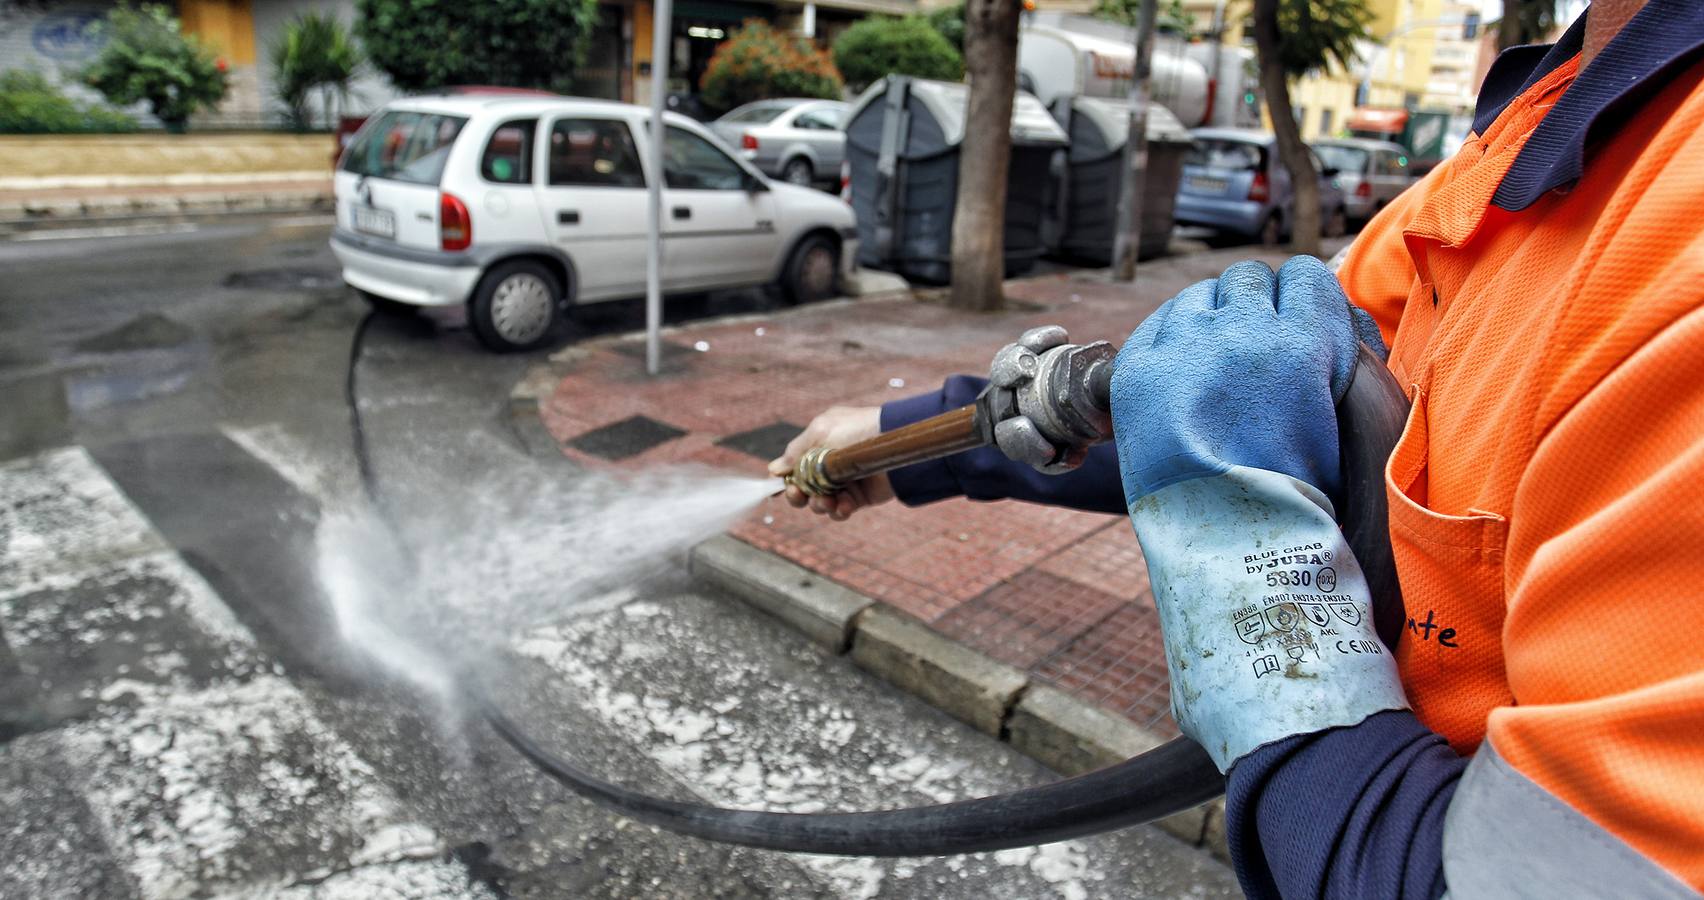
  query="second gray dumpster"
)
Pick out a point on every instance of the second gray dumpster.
point(1083, 209)
point(903, 140)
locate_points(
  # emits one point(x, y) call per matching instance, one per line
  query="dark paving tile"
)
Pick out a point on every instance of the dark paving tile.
point(668, 351)
point(765, 443)
point(628, 437)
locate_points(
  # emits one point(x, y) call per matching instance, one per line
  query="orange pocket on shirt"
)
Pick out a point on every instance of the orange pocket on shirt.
point(1451, 571)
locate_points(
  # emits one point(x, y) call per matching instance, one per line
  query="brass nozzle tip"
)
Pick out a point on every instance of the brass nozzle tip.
point(808, 475)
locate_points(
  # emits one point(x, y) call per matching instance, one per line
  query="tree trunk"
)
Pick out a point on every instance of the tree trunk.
point(1304, 181)
point(1509, 27)
point(979, 215)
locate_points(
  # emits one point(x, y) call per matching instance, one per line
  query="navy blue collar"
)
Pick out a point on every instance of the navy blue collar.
point(1654, 47)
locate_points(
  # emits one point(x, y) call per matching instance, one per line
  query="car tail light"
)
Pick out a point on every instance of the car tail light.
point(1257, 190)
point(455, 226)
point(1364, 189)
point(748, 141)
point(1212, 96)
point(846, 181)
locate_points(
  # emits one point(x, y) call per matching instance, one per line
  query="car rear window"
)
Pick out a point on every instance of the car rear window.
point(1344, 159)
point(1220, 154)
point(508, 155)
point(756, 115)
point(404, 145)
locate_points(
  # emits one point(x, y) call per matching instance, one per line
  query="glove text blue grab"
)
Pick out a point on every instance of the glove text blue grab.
point(1224, 412)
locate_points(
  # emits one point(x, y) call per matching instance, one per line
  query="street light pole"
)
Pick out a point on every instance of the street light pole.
point(661, 14)
point(1127, 243)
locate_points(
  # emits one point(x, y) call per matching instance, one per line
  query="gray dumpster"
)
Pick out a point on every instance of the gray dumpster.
point(1082, 213)
point(903, 139)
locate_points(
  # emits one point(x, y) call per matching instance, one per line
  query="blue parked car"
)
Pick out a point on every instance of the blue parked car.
point(1233, 181)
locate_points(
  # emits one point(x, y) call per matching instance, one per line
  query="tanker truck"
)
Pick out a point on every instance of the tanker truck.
point(1064, 55)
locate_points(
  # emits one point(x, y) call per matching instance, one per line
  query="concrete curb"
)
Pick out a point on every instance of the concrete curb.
point(823, 610)
point(1064, 733)
point(35, 215)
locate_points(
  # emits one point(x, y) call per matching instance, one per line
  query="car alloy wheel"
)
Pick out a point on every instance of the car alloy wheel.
point(520, 308)
point(798, 172)
point(816, 273)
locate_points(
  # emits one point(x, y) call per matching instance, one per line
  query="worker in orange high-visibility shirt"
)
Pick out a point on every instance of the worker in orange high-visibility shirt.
point(1539, 729)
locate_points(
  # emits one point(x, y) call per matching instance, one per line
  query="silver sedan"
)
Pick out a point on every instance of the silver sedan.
point(795, 140)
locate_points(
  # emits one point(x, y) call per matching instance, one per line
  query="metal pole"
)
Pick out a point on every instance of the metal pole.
point(1128, 241)
point(661, 14)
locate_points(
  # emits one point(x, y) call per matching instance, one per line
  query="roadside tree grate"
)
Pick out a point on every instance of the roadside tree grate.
point(628, 437)
point(765, 443)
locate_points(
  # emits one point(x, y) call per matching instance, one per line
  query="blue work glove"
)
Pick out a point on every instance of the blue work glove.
point(1224, 411)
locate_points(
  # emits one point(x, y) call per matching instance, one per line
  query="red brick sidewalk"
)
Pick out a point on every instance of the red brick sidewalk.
point(1061, 594)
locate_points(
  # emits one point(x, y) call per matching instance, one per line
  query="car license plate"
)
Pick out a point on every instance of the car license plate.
point(369, 220)
point(1207, 185)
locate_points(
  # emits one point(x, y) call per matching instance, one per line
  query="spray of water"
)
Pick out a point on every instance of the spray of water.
point(489, 563)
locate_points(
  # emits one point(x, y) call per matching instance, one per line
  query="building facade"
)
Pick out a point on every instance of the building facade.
point(56, 37)
point(1423, 56)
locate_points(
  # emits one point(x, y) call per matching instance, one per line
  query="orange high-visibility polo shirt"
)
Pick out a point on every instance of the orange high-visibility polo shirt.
point(1547, 497)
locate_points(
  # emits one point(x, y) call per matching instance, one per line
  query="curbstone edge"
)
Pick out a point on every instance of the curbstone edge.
point(949, 675)
point(823, 610)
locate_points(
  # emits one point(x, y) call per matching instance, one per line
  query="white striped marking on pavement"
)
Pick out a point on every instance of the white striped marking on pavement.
point(189, 785)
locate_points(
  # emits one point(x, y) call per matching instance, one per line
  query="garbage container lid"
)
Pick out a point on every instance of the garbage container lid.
point(947, 102)
point(1112, 118)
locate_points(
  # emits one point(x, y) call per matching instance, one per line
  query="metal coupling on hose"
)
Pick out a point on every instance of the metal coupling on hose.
point(810, 476)
point(1047, 399)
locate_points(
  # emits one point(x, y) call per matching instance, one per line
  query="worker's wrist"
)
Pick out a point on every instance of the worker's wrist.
point(1267, 619)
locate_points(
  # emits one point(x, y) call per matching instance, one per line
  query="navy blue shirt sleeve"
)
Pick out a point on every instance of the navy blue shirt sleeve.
point(1349, 812)
point(986, 474)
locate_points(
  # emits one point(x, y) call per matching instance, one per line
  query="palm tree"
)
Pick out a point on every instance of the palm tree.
point(315, 53)
point(1293, 38)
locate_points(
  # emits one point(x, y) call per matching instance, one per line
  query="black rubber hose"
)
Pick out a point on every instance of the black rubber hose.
point(1166, 780)
point(358, 434)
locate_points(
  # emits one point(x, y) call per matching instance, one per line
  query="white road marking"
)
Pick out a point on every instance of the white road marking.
point(107, 231)
point(291, 458)
point(228, 786)
point(772, 762)
point(60, 514)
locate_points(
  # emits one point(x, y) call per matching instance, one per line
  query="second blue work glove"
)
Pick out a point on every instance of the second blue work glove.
point(1224, 412)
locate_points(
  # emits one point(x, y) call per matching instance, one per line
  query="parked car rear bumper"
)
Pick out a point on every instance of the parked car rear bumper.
point(1241, 216)
point(1357, 207)
point(419, 277)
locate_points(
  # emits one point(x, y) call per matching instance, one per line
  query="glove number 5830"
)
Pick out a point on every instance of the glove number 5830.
point(1289, 578)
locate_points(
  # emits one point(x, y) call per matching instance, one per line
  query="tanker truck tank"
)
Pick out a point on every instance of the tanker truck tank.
point(1066, 56)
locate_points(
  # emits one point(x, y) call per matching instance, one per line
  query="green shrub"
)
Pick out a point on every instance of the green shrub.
point(147, 57)
point(315, 53)
point(429, 44)
point(949, 21)
point(759, 62)
point(31, 104)
point(876, 47)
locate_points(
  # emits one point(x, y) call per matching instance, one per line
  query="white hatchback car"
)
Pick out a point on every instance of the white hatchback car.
point(521, 204)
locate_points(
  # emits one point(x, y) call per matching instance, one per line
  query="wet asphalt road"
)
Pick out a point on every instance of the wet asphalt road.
point(181, 716)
